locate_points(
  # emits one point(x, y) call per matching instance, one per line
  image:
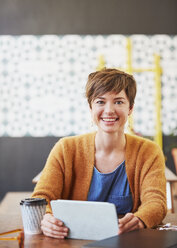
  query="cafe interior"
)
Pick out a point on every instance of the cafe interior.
point(47, 50)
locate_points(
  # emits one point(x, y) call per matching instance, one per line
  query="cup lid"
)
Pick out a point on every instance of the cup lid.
point(33, 201)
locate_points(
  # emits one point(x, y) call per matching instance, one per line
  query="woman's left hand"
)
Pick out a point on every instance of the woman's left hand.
point(129, 223)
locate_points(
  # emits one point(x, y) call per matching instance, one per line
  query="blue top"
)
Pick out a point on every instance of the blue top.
point(112, 187)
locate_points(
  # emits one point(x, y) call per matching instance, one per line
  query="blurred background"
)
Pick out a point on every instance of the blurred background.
point(47, 50)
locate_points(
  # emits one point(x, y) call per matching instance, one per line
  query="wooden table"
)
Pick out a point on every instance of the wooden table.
point(11, 202)
point(10, 220)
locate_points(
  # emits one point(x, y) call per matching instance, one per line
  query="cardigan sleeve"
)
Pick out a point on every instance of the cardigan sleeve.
point(68, 170)
point(50, 184)
point(152, 186)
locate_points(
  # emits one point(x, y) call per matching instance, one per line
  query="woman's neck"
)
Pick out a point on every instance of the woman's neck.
point(109, 142)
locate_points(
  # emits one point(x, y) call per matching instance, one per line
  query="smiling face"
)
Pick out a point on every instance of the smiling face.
point(110, 111)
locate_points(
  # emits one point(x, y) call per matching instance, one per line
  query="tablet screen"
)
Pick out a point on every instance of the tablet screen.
point(87, 219)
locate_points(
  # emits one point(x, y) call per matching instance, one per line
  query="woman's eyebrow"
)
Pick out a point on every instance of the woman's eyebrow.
point(100, 97)
point(119, 98)
point(116, 98)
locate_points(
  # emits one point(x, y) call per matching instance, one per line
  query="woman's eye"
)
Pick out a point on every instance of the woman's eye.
point(119, 102)
point(100, 102)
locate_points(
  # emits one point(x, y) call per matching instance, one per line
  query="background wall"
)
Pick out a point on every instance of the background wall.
point(22, 158)
point(42, 81)
point(88, 17)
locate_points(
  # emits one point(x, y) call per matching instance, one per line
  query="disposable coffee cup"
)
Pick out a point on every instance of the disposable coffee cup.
point(32, 210)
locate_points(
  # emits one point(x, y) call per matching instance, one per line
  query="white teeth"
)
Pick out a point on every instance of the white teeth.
point(109, 119)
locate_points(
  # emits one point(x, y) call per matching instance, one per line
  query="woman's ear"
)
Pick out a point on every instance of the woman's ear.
point(131, 109)
point(90, 106)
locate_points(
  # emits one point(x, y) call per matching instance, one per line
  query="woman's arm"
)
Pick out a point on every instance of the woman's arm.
point(152, 188)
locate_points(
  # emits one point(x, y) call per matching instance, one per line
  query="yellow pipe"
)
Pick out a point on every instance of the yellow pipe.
point(142, 70)
point(101, 62)
point(129, 68)
point(138, 70)
point(158, 124)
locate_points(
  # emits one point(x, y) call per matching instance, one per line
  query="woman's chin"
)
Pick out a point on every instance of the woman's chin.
point(108, 130)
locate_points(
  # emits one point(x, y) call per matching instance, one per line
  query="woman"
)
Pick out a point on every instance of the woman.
point(107, 165)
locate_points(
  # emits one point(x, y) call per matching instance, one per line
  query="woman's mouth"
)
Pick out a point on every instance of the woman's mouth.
point(108, 119)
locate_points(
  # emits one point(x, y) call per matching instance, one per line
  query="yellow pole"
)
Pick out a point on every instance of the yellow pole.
point(101, 62)
point(158, 124)
point(129, 70)
point(129, 56)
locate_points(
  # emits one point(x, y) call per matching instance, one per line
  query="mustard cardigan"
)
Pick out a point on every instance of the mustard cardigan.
point(69, 167)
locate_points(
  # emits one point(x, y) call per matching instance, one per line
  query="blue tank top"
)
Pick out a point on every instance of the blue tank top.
point(112, 187)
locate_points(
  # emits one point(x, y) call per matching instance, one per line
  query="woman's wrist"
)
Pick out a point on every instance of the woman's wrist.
point(141, 223)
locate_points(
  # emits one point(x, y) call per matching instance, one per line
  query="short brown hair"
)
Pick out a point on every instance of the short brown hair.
point(110, 80)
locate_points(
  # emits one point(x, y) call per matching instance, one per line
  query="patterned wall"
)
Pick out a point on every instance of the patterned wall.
point(42, 81)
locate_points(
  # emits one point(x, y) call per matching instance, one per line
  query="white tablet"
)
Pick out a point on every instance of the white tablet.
point(87, 219)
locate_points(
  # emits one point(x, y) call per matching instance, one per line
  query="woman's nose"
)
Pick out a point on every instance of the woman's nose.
point(109, 108)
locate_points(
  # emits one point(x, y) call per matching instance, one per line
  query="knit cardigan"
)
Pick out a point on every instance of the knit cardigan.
point(69, 168)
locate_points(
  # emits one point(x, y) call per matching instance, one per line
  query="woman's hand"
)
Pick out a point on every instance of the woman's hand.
point(129, 223)
point(53, 227)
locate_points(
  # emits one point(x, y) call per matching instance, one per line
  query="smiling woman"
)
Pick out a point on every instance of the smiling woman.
point(110, 111)
point(107, 165)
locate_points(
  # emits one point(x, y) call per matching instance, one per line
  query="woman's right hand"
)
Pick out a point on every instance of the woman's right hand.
point(53, 227)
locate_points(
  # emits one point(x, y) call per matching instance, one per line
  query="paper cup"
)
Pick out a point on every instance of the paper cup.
point(32, 210)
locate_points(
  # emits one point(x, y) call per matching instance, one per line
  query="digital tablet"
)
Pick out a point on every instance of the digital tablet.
point(87, 219)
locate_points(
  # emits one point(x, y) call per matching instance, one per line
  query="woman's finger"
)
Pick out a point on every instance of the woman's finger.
point(132, 225)
point(52, 223)
point(54, 233)
point(129, 223)
point(53, 227)
point(50, 218)
point(126, 219)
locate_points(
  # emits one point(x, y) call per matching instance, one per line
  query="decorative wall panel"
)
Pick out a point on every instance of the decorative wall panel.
point(42, 80)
